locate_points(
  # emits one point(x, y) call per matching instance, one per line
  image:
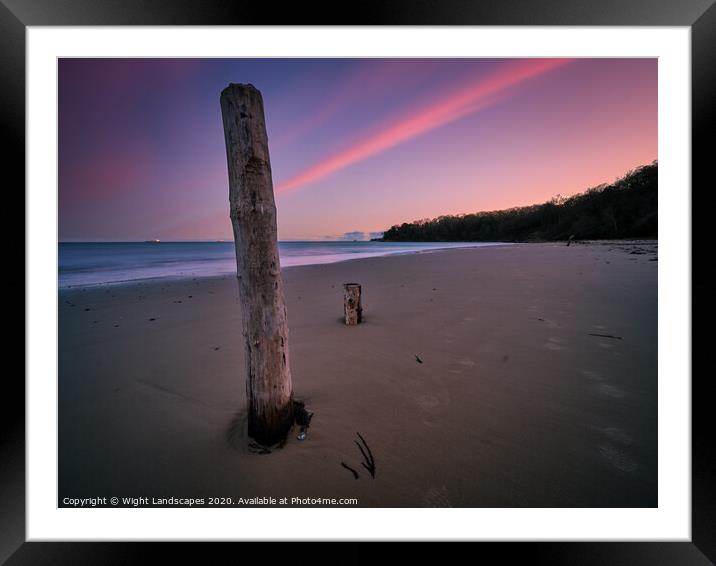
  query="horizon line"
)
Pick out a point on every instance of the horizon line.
point(654, 161)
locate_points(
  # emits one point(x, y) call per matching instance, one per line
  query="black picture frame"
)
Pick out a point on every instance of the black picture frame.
point(16, 15)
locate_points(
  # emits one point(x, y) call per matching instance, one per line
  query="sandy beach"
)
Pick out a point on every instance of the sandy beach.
point(516, 376)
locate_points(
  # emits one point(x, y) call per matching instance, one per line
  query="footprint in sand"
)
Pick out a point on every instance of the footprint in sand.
point(553, 344)
point(437, 497)
point(609, 390)
point(617, 458)
point(617, 435)
point(593, 375)
point(467, 362)
point(427, 402)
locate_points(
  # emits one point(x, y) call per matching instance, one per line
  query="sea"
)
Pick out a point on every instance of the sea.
point(87, 264)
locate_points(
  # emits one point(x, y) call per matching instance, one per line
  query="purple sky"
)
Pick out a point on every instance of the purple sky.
point(357, 145)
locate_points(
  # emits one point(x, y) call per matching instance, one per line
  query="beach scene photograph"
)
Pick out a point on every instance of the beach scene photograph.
point(347, 283)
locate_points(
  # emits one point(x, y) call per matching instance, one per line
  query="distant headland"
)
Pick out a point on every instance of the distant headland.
point(627, 208)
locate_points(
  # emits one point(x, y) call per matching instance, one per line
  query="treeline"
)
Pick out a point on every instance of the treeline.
point(625, 209)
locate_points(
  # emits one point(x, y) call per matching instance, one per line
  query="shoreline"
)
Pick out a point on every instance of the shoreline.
point(348, 258)
point(177, 278)
point(536, 385)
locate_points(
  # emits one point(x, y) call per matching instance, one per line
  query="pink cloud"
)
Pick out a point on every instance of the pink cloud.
point(467, 100)
point(371, 78)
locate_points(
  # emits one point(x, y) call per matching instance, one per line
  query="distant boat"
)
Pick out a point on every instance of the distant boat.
point(152, 241)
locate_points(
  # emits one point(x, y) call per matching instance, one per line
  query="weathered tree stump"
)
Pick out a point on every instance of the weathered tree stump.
point(253, 217)
point(352, 309)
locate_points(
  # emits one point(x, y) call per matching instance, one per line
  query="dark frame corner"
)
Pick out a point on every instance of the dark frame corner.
point(700, 15)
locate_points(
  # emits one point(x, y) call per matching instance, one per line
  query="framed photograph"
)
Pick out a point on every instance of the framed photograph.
point(401, 278)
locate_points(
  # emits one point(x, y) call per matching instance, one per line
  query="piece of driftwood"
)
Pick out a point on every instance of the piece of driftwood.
point(301, 416)
point(368, 461)
point(352, 308)
point(605, 336)
point(253, 217)
point(351, 470)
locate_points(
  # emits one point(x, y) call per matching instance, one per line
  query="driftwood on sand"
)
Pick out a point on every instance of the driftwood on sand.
point(368, 461)
point(253, 217)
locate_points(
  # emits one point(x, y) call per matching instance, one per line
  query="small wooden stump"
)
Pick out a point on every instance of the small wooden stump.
point(351, 304)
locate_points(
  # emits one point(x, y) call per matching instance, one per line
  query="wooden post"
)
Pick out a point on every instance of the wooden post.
point(253, 217)
point(352, 308)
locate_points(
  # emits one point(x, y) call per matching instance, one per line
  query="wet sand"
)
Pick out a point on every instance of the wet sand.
point(521, 376)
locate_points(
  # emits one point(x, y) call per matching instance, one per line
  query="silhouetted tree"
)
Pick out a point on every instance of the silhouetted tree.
point(627, 208)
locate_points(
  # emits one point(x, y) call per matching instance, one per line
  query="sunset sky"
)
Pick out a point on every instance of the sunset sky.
point(357, 145)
